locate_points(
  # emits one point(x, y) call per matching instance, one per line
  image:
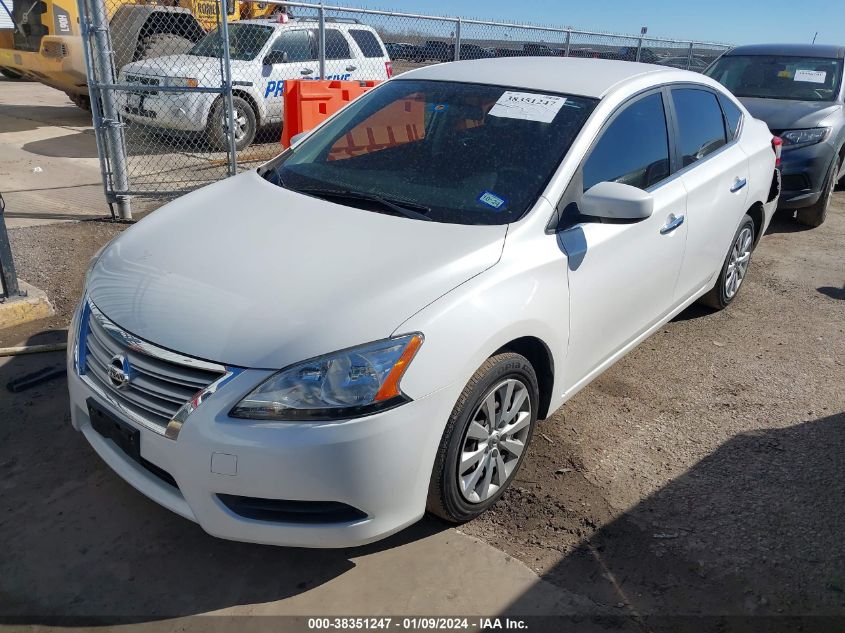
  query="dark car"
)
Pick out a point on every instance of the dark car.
point(438, 51)
point(797, 89)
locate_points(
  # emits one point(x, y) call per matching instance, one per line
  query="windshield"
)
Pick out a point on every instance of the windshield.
point(456, 152)
point(779, 77)
point(245, 42)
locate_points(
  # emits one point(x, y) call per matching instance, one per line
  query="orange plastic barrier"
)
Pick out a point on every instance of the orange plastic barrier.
point(308, 102)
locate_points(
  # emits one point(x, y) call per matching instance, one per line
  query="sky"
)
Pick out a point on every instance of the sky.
point(728, 21)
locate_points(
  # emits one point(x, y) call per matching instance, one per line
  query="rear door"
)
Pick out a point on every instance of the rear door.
point(622, 275)
point(714, 171)
point(301, 49)
point(372, 56)
point(340, 59)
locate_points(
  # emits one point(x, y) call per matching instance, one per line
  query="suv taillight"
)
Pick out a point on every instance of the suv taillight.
point(388, 67)
point(777, 146)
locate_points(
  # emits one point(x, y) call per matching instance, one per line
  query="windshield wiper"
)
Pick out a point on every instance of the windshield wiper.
point(401, 207)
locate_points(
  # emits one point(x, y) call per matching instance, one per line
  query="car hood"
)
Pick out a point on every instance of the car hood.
point(205, 69)
point(780, 114)
point(246, 273)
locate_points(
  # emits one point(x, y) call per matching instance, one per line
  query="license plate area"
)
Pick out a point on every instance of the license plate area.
point(126, 437)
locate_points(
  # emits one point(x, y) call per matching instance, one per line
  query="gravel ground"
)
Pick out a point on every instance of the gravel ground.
point(701, 474)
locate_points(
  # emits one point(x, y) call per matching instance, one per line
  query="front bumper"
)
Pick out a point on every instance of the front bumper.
point(185, 111)
point(380, 465)
point(804, 170)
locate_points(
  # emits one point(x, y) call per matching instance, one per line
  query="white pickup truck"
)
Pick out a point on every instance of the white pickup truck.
point(264, 54)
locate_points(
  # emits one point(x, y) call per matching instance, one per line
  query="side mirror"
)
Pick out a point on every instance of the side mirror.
point(616, 201)
point(294, 140)
point(276, 57)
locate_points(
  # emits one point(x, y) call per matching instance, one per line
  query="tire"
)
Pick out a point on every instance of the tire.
point(80, 101)
point(216, 129)
point(742, 245)
point(161, 44)
point(816, 214)
point(458, 499)
point(8, 73)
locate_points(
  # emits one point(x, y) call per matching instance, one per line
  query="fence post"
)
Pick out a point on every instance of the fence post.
point(100, 68)
point(568, 41)
point(8, 276)
point(322, 41)
point(639, 48)
point(227, 89)
point(689, 55)
point(457, 56)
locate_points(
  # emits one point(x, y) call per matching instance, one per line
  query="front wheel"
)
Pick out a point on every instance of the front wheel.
point(486, 438)
point(217, 128)
point(815, 215)
point(734, 267)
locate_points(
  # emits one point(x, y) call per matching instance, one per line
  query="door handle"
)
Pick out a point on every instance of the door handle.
point(306, 71)
point(351, 68)
point(739, 183)
point(673, 223)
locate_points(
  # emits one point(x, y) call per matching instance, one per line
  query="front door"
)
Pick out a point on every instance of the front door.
point(622, 274)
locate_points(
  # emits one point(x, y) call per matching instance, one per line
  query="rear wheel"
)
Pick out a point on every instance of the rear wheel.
point(734, 268)
point(815, 215)
point(80, 101)
point(486, 438)
point(217, 128)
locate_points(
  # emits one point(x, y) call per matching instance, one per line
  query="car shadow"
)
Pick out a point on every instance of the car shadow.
point(80, 543)
point(80, 145)
point(753, 529)
point(833, 292)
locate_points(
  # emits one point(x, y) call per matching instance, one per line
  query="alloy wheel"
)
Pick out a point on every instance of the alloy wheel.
point(494, 440)
point(738, 264)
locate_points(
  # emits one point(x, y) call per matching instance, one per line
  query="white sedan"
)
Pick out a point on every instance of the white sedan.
point(371, 324)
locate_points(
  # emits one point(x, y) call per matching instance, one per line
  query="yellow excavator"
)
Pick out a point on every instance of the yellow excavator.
point(45, 43)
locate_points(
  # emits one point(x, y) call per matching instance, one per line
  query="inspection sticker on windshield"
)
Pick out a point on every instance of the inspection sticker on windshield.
point(491, 200)
point(528, 106)
point(811, 76)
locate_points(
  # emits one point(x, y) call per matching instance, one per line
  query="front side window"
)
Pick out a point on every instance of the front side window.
point(454, 152)
point(336, 45)
point(779, 77)
point(299, 46)
point(701, 127)
point(634, 149)
point(245, 42)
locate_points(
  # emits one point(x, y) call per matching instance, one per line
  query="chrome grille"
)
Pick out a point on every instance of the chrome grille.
point(159, 381)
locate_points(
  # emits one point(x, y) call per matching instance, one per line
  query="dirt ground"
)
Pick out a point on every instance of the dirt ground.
point(703, 474)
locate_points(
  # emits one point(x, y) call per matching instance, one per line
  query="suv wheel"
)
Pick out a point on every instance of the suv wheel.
point(815, 215)
point(217, 128)
point(485, 439)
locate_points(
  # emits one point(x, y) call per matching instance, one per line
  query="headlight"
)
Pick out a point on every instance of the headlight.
point(346, 384)
point(181, 82)
point(802, 138)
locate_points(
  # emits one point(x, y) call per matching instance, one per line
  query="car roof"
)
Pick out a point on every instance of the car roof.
point(305, 22)
point(798, 50)
point(570, 75)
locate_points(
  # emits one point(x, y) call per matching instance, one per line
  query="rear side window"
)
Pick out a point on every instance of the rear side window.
point(336, 45)
point(733, 116)
point(297, 44)
point(634, 149)
point(701, 127)
point(367, 42)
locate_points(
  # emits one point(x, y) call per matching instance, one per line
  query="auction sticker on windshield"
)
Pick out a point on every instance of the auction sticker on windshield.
point(528, 106)
point(811, 76)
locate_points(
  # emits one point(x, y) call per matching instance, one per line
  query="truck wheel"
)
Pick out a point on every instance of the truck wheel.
point(486, 438)
point(815, 215)
point(8, 73)
point(80, 101)
point(161, 44)
point(217, 129)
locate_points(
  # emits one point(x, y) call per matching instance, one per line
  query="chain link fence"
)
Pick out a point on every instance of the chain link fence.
point(186, 92)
